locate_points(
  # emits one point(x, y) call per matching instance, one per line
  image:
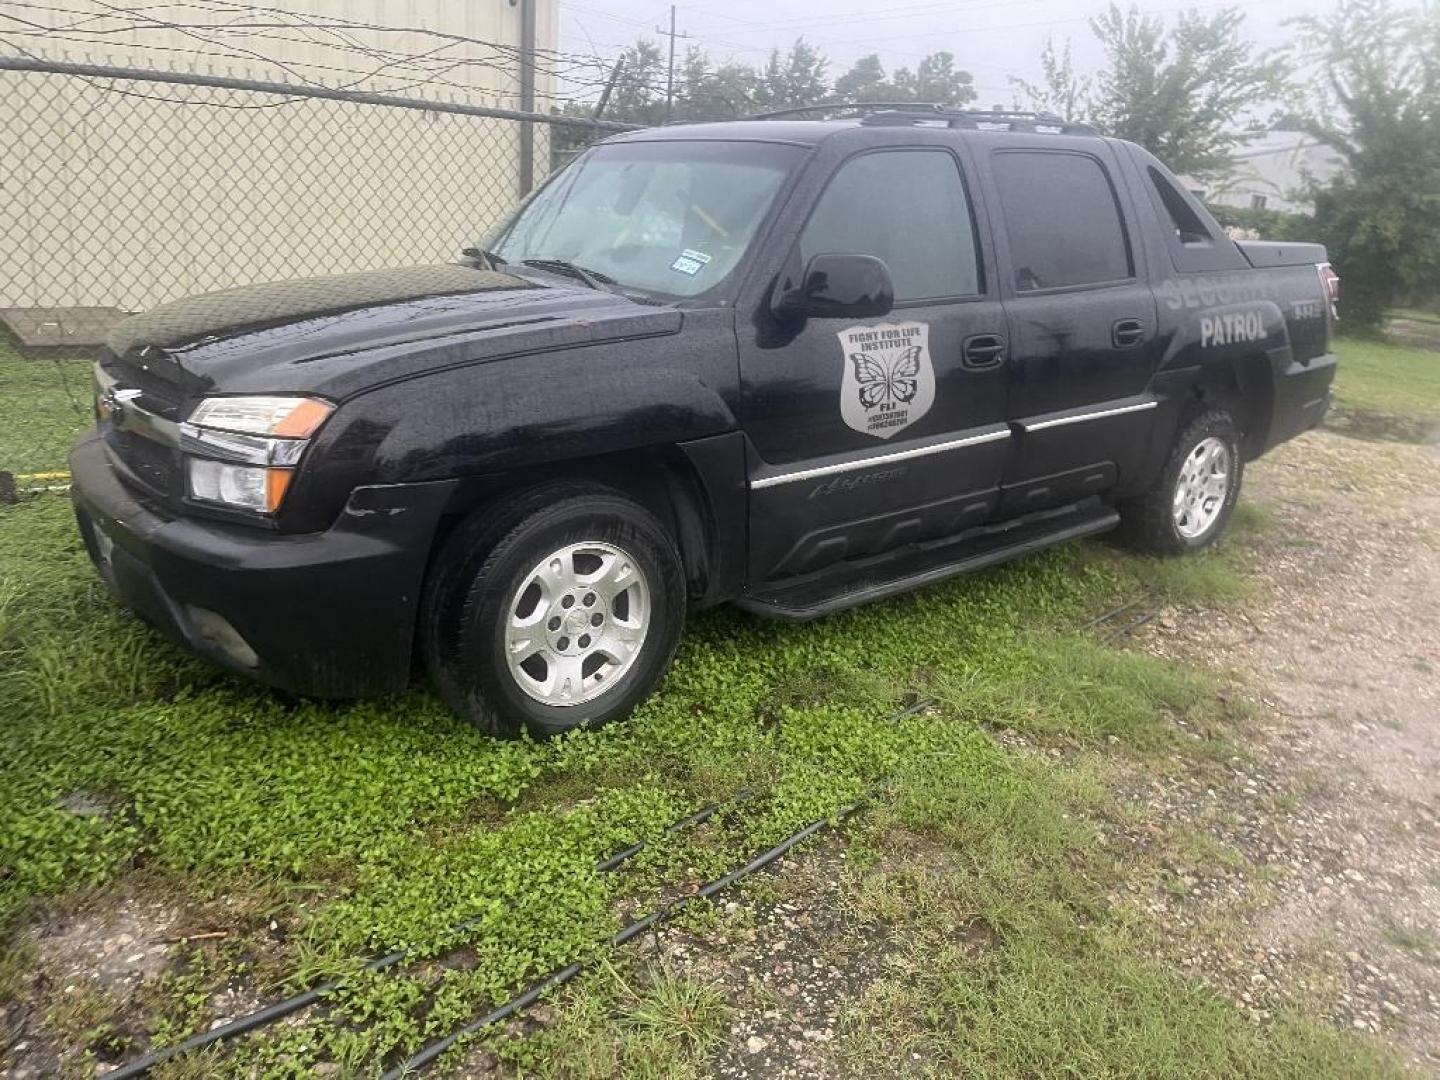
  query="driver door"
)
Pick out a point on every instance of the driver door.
point(869, 434)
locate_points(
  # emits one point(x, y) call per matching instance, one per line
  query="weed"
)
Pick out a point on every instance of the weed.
point(1029, 1009)
point(1413, 939)
point(652, 1023)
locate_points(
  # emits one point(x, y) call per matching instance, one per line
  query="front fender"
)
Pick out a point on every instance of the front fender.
point(537, 407)
point(519, 415)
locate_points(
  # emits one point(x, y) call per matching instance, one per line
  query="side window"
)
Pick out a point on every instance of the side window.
point(1062, 219)
point(1193, 238)
point(1186, 223)
point(907, 207)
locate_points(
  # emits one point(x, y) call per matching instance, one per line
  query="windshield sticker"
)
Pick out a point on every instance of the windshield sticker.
point(889, 382)
point(690, 262)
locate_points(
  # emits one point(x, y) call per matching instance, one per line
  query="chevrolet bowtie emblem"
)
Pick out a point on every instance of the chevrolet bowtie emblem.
point(114, 401)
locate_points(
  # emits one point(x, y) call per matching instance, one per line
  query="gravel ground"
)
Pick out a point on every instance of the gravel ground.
point(1338, 801)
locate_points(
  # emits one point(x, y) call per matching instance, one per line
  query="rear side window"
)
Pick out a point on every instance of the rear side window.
point(1186, 223)
point(907, 207)
point(1062, 219)
point(1194, 239)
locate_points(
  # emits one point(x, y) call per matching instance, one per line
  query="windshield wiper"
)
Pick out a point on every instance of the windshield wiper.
point(481, 254)
point(593, 278)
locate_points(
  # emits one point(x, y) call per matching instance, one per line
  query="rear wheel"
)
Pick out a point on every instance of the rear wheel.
point(562, 611)
point(1190, 505)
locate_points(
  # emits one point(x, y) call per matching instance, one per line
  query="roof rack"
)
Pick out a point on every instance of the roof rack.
point(901, 113)
point(847, 106)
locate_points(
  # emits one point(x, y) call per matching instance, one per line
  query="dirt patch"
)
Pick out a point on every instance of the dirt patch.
point(1341, 658)
point(1367, 424)
point(792, 958)
point(88, 967)
point(102, 967)
point(1422, 332)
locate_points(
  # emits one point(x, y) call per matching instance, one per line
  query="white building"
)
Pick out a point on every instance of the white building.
point(119, 195)
point(1272, 172)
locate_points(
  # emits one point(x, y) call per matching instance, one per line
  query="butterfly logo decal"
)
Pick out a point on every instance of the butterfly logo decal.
point(881, 380)
point(887, 379)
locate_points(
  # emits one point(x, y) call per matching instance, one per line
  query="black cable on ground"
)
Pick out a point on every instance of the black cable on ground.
point(281, 1009)
point(559, 978)
point(1107, 616)
point(1130, 627)
point(288, 1006)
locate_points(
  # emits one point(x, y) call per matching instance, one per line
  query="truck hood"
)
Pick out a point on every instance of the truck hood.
point(338, 335)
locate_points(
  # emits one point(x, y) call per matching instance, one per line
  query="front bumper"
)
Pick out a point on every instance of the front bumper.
point(330, 614)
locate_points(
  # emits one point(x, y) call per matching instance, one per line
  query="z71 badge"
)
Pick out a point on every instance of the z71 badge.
point(889, 382)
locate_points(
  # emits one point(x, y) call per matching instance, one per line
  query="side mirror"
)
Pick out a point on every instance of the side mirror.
point(838, 286)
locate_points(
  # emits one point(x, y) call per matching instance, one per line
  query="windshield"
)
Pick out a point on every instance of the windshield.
point(673, 218)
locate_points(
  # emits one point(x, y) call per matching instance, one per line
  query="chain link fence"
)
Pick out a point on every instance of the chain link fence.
point(123, 188)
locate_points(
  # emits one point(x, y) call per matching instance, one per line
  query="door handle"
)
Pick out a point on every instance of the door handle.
point(983, 351)
point(1127, 333)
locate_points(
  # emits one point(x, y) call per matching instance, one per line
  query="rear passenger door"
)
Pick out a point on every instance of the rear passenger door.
point(1082, 319)
point(869, 434)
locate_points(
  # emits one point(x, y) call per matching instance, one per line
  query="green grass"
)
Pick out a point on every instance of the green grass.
point(652, 1024)
point(1413, 939)
point(46, 405)
point(1415, 315)
point(360, 826)
point(1029, 1009)
point(1378, 377)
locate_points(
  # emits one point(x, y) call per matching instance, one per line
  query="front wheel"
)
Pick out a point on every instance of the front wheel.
point(1191, 503)
point(562, 611)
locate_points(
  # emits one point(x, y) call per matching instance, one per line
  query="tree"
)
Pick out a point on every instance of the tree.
point(1062, 92)
point(639, 94)
point(935, 78)
point(865, 81)
point(705, 92)
point(794, 79)
point(1180, 94)
point(1379, 98)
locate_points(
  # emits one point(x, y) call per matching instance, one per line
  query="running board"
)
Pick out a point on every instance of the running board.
point(849, 584)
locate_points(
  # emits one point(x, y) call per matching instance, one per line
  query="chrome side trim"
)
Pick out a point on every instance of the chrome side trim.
point(1080, 418)
point(878, 459)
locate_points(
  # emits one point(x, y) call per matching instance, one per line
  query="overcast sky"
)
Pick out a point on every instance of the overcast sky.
point(992, 39)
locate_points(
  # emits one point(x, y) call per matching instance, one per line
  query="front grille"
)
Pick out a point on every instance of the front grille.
point(157, 395)
point(144, 458)
point(152, 465)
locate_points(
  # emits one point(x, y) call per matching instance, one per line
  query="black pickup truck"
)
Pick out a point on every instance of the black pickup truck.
point(792, 364)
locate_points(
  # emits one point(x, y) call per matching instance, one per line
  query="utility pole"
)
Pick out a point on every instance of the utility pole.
point(670, 77)
point(609, 86)
point(527, 95)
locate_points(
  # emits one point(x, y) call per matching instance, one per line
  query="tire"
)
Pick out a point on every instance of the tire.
point(1205, 462)
point(503, 651)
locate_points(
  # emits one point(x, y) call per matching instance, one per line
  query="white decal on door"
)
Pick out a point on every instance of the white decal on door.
point(889, 382)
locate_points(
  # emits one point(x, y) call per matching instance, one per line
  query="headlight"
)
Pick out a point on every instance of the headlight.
point(261, 490)
point(287, 417)
point(242, 451)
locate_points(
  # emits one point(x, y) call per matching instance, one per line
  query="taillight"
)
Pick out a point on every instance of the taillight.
point(1330, 283)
